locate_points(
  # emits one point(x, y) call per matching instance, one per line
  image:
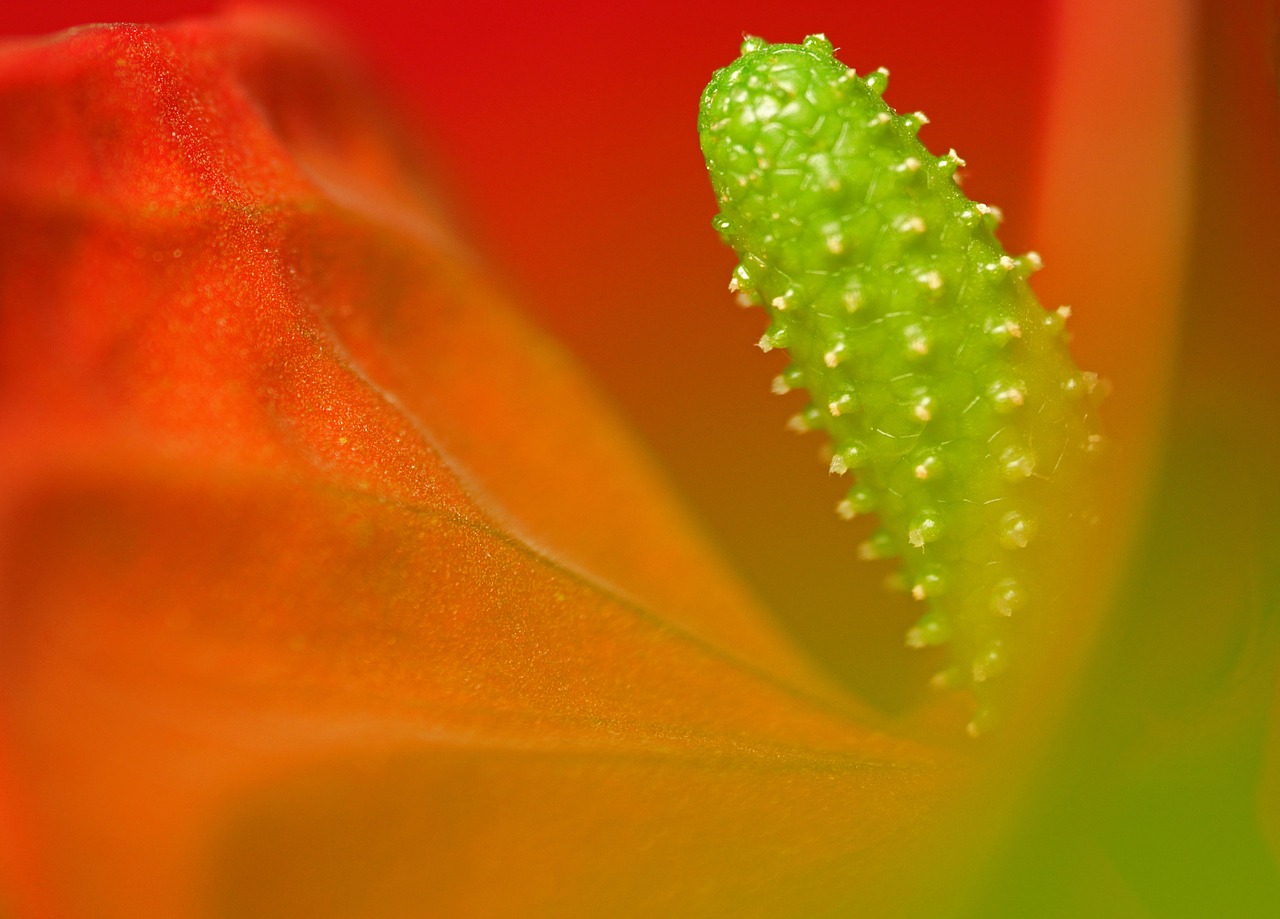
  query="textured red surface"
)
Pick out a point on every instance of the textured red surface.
point(326, 578)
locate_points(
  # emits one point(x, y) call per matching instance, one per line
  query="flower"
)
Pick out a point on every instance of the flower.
point(331, 588)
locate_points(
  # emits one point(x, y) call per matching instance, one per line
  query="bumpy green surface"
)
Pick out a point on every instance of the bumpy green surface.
point(945, 387)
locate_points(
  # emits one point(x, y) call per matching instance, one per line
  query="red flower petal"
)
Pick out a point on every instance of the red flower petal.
point(328, 587)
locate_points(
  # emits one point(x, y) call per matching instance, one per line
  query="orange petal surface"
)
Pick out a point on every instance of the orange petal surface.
point(328, 586)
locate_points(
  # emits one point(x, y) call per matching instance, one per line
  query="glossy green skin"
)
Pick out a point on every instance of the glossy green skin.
point(943, 384)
